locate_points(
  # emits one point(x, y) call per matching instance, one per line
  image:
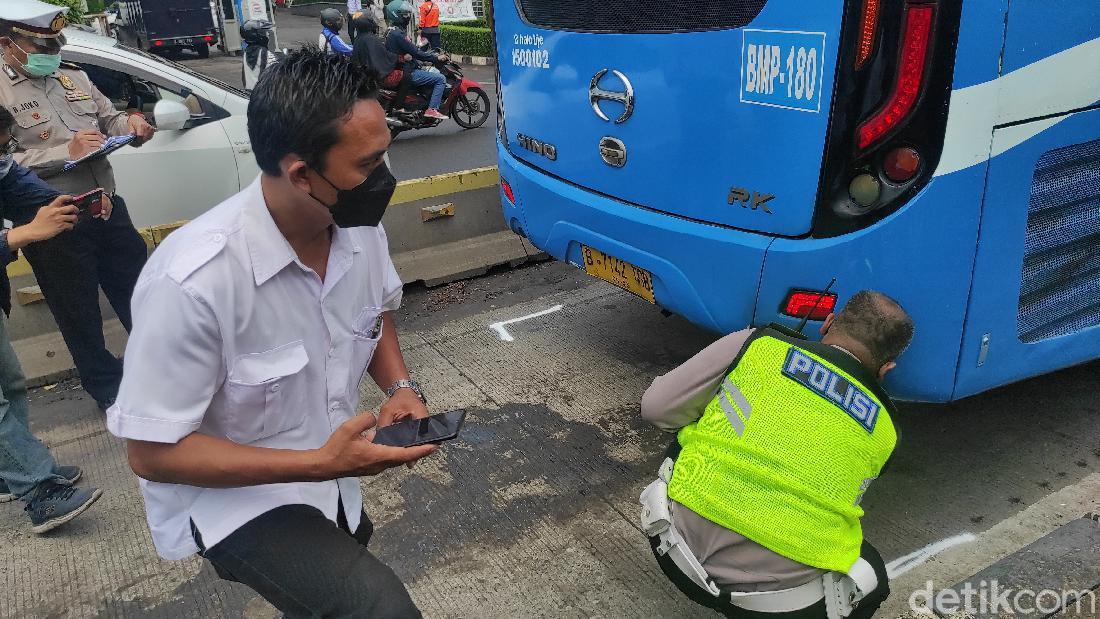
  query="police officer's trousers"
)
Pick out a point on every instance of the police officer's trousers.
point(70, 269)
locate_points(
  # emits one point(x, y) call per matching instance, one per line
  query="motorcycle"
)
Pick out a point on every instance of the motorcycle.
point(464, 100)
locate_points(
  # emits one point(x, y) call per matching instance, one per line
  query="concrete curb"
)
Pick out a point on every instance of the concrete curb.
point(441, 229)
point(481, 61)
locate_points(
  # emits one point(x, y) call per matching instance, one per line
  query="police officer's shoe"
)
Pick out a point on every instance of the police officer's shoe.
point(71, 473)
point(54, 504)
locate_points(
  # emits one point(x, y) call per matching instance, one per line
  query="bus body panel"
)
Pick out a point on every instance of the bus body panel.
point(922, 256)
point(1038, 29)
point(703, 140)
point(994, 352)
point(705, 273)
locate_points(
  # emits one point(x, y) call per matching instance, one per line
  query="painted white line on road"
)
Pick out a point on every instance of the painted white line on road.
point(901, 565)
point(507, 337)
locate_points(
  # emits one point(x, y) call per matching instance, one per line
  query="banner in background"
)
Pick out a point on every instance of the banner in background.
point(455, 10)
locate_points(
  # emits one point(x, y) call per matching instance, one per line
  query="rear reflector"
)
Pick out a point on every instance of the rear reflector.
point(867, 29)
point(901, 164)
point(914, 56)
point(799, 302)
point(508, 191)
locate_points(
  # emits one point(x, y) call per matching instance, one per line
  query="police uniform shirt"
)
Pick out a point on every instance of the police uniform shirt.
point(48, 112)
point(235, 338)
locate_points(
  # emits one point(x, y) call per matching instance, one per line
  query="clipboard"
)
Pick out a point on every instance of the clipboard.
point(110, 145)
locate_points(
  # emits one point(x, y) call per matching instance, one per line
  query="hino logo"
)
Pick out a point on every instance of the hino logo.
point(625, 96)
point(539, 148)
point(613, 152)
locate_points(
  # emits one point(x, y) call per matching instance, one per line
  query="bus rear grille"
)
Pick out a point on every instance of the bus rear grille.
point(650, 16)
point(1060, 287)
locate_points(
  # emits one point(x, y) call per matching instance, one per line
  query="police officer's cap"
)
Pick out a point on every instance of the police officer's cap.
point(39, 21)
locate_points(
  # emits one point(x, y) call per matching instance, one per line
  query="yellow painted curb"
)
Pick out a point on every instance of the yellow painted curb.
point(407, 191)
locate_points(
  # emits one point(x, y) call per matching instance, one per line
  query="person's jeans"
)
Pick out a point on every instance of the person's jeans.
point(70, 269)
point(24, 460)
point(307, 566)
point(435, 80)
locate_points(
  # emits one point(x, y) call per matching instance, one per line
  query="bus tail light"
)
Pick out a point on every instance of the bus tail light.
point(507, 188)
point(868, 30)
point(901, 164)
point(819, 305)
point(910, 75)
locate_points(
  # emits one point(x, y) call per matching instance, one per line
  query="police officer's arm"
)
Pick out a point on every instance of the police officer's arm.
point(679, 397)
point(111, 120)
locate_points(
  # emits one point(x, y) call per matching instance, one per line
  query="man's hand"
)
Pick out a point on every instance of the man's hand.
point(85, 141)
point(106, 206)
point(348, 453)
point(444, 58)
point(403, 405)
point(142, 129)
point(51, 220)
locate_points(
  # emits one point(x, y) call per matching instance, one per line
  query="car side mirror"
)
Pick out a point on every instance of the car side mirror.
point(171, 115)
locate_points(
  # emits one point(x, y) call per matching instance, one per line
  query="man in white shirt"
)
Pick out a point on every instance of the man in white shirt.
point(253, 326)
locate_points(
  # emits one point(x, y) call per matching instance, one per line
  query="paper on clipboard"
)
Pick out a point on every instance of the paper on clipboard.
point(110, 145)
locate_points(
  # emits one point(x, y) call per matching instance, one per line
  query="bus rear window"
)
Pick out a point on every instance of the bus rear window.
point(640, 16)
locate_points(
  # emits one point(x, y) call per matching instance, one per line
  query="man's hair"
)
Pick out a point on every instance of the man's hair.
point(299, 103)
point(878, 322)
point(7, 121)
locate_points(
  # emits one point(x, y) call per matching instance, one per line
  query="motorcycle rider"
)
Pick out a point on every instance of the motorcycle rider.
point(257, 54)
point(332, 22)
point(399, 13)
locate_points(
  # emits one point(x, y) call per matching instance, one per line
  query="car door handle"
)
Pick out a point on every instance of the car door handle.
point(242, 147)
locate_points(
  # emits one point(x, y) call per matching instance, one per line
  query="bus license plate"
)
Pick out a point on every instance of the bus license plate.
point(630, 278)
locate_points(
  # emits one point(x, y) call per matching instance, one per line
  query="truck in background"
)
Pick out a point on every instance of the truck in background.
point(167, 26)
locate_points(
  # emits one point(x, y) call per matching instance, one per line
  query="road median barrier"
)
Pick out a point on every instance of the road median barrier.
point(441, 229)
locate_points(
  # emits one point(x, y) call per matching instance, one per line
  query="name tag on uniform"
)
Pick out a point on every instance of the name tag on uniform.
point(842, 393)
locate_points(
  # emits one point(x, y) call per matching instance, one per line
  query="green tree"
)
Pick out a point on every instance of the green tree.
point(76, 9)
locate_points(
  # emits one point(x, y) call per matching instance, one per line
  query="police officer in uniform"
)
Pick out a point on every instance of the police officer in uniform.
point(61, 116)
point(756, 511)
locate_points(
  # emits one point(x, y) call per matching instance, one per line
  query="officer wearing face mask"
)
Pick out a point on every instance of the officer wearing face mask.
point(61, 116)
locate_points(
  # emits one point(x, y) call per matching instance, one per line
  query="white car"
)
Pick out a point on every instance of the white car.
point(201, 153)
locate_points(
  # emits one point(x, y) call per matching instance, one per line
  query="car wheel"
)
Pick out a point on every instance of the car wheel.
point(203, 50)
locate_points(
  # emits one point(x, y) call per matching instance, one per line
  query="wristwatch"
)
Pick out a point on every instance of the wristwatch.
point(407, 384)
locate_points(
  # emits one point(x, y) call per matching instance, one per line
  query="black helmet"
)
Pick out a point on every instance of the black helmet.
point(399, 13)
point(254, 31)
point(362, 22)
point(331, 19)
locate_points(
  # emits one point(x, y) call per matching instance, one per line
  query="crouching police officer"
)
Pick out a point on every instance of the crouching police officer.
point(61, 116)
point(756, 511)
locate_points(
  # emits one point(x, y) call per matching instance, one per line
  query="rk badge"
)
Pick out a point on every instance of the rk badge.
point(45, 135)
point(67, 82)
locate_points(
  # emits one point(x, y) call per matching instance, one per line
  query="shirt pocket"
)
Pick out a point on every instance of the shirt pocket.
point(29, 119)
point(260, 391)
point(366, 332)
point(86, 107)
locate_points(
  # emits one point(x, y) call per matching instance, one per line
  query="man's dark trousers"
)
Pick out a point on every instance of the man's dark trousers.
point(308, 566)
point(70, 269)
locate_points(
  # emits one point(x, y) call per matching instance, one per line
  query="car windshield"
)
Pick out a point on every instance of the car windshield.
point(185, 69)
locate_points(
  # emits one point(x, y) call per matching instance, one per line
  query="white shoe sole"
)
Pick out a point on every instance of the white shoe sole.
point(50, 525)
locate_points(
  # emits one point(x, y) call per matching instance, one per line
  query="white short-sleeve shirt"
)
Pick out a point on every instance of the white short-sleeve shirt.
point(235, 338)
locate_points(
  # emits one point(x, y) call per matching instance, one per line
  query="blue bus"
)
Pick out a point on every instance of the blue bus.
point(727, 159)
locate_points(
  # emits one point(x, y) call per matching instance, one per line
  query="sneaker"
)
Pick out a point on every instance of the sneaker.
point(71, 473)
point(54, 504)
point(435, 114)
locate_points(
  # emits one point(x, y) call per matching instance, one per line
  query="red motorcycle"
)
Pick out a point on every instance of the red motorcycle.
point(464, 100)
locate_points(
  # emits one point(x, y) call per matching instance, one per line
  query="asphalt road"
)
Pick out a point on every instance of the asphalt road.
point(415, 154)
point(532, 513)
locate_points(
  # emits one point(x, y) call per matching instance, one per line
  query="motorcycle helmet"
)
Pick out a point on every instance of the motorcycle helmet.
point(361, 22)
point(331, 19)
point(255, 32)
point(399, 13)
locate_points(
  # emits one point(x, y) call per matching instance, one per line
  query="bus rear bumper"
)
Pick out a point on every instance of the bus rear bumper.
point(708, 274)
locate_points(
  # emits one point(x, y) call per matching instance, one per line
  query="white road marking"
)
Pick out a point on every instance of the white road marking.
point(507, 337)
point(901, 565)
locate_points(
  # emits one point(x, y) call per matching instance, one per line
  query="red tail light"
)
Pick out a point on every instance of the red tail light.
point(208, 39)
point(867, 29)
point(914, 56)
point(158, 43)
point(508, 191)
point(799, 302)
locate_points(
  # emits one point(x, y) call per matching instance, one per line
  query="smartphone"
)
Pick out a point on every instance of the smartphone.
point(89, 204)
point(412, 432)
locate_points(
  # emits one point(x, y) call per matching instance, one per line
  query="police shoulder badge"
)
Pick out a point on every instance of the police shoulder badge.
point(67, 82)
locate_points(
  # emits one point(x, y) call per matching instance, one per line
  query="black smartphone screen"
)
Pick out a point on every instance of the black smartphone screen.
point(412, 432)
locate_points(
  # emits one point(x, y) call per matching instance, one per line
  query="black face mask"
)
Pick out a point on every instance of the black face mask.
point(364, 204)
